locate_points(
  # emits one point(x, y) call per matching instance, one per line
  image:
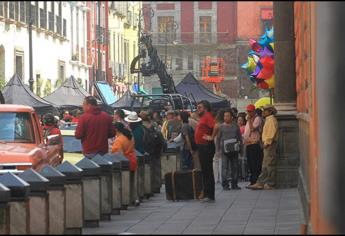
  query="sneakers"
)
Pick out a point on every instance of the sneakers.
point(206, 199)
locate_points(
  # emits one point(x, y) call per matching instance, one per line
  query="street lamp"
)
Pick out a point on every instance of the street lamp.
point(31, 79)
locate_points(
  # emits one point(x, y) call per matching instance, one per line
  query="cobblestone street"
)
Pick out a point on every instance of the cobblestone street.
point(234, 212)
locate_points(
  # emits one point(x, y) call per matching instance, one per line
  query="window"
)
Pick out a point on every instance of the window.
point(51, 21)
point(38, 84)
point(166, 29)
point(58, 25)
point(22, 11)
point(43, 19)
point(16, 127)
point(61, 70)
point(11, 10)
point(205, 29)
point(134, 47)
point(19, 64)
point(179, 60)
point(64, 27)
point(2, 8)
point(190, 61)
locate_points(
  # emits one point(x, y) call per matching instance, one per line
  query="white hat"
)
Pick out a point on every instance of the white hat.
point(133, 117)
point(57, 118)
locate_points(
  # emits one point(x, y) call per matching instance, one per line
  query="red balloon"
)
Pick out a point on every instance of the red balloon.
point(262, 84)
point(265, 73)
point(254, 45)
point(267, 62)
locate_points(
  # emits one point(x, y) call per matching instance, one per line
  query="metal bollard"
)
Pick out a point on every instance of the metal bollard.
point(106, 186)
point(141, 174)
point(56, 200)
point(38, 201)
point(91, 192)
point(147, 177)
point(5, 195)
point(18, 205)
point(74, 197)
point(116, 184)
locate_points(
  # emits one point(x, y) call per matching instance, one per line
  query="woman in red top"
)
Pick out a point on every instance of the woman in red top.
point(206, 149)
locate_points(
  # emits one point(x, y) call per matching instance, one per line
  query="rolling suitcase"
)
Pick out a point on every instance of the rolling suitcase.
point(184, 185)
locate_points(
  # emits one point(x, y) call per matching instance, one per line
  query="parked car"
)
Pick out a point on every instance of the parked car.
point(72, 147)
point(22, 145)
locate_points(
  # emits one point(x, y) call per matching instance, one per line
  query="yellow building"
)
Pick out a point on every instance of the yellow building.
point(123, 29)
point(131, 39)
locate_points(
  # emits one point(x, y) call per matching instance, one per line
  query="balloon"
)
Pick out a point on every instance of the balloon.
point(270, 82)
point(256, 58)
point(264, 41)
point(265, 73)
point(251, 65)
point(269, 34)
point(271, 46)
point(253, 79)
point(267, 62)
point(254, 45)
point(257, 71)
point(266, 52)
point(262, 84)
point(245, 65)
point(251, 52)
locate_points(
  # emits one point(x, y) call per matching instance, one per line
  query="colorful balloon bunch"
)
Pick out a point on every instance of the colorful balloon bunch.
point(260, 64)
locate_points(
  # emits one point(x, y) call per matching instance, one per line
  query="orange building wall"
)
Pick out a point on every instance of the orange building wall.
point(248, 18)
point(305, 48)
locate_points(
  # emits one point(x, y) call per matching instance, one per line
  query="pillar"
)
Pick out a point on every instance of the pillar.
point(285, 94)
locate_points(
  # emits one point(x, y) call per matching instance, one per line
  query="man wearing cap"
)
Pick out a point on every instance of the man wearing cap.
point(252, 140)
point(267, 177)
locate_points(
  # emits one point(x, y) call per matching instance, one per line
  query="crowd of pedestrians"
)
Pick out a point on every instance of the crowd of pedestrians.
point(220, 144)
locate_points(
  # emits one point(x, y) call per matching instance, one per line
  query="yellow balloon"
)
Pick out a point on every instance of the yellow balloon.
point(251, 64)
point(270, 82)
point(272, 45)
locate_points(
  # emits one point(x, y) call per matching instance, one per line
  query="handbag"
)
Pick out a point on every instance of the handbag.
point(231, 145)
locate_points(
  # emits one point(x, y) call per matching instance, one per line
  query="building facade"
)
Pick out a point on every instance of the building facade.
point(187, 32)
point(98, 42)
point(123, 27)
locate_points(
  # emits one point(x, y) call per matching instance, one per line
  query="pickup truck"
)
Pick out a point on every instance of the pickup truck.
point(22, 145)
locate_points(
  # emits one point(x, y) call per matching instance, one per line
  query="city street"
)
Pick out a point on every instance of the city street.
point(234, 212)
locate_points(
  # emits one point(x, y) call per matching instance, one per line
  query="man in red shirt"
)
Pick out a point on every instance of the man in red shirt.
point(94, 128)
point(206, 149)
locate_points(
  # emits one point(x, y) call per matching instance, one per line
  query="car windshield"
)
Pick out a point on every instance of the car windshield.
point(71, 144)
point(16, 127)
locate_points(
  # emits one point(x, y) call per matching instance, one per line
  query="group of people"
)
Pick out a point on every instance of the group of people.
point(204, 139)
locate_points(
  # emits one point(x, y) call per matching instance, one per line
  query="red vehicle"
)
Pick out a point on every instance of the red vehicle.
point(22, 145)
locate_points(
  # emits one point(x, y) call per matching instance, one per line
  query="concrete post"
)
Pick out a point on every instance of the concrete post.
point(285, 94)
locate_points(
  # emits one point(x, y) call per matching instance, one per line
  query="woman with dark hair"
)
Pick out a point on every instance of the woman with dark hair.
point(124, 143)
point(217, 163)
point(188, 147)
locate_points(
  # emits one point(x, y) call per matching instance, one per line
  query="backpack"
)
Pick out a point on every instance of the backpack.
point(153, 140)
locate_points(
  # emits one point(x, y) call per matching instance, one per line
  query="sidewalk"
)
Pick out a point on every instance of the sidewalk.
point(234, 212)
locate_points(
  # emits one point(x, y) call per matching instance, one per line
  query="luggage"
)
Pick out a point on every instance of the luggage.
point(184, 185)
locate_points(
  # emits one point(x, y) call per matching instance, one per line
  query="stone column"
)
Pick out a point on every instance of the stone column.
point(285, 94)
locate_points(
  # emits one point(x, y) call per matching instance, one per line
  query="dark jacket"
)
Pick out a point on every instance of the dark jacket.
point(94, 128)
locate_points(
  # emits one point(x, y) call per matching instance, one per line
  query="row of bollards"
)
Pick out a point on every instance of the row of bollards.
point(64, 199)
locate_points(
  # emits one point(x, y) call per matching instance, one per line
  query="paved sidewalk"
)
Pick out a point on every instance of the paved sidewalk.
point(234, 212)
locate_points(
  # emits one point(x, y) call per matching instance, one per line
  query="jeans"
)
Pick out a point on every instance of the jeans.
point(230, 163)
point(187, 160)
point(254, 160)
point(206, 153)
point(156, 175)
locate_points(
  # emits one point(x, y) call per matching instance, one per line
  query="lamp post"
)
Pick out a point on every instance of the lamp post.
point(142, 14)
point(31, 79)
point(172, 25)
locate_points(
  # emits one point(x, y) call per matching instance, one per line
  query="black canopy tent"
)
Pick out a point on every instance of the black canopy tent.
point(70, 95)
point(127, 101)
point(191, 88)
point(15, 92)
